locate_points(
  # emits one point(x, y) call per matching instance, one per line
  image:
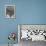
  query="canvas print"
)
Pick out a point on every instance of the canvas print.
point(10, 11)
point(29, 35)
point(33, 32)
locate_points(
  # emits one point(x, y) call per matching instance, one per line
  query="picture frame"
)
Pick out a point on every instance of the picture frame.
point(10, 11)
point(39, 28)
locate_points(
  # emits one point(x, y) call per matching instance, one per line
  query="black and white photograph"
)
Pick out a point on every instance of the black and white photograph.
point(31, 34)
point(10, 11)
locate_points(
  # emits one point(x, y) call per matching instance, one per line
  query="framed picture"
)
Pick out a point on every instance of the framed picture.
point(10, 11)
point(32, 32)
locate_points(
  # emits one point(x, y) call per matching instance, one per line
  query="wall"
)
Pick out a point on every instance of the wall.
point(27, 12)
point(6, 25)
point(31, 11)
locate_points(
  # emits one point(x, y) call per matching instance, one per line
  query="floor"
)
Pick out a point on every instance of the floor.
point(30, 43)
point(7, 45)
